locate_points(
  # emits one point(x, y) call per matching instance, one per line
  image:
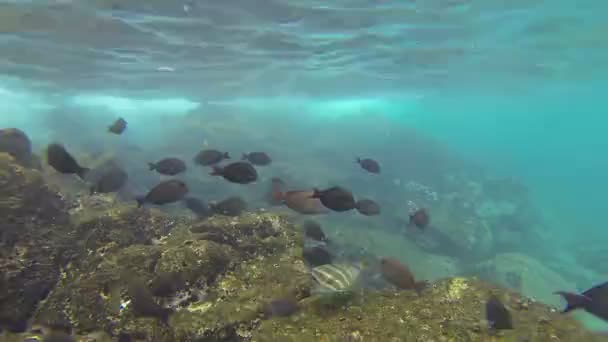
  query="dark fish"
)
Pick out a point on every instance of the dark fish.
point(16, 143)
point(210, 157)
point(238, 172)
point(497, 315)
point(168, 166)
point(420, 218)
point(232, 206)
point(280, 308)
point(336, 198)
point(200, 208)
point(166, 284)
point(63, 162)
point(301, 201)
point(398, 274)
point(369, 165)
point(277, 186)
point(111, 180)
point(368, 207)
point(143, 303)
point(118, 126)
point(316, 256)
point(257, 158)
point(165, 192)
point(313, 231)
point(594, 301)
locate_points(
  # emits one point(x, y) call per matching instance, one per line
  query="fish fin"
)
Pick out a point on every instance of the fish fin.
point(358, 160)
point(574, 300)
point(245, 156)
point(140, 201)
point(82, 173)
point(152, 166)
point(216, 171)
point(226, 155)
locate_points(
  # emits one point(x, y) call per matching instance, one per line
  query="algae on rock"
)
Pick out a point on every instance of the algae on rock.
point(450, 310)
point(34, 229)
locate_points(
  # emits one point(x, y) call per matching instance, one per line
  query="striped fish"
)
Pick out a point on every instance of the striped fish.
point(335, 277)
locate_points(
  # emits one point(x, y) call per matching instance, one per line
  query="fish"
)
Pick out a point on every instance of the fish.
point(497, 315)
point(316, 256)
point(368, 207)
point(165, 192)
point(143, 303)
point(301, 201)
point(593, 300)
point(335, 277)
point(232, 206)
point(282, 307)
point(237, 172)
point(63, 162)
point(16, 143)
point(118, 126)
point(277, 186)
point(399, 275)
point(168, 166)
point(167, 283)
point(210, 157)
point(197, 206)
point(336, 198)
point(111, 180)
point(257, 158)
point(420, 218)
point(369, 165)
point(312, 230)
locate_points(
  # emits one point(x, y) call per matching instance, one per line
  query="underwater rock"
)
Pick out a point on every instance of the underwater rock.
point(229, 267)
point(525, 274)
point(16, 143)
point(34, 226)
point(450, 310)
point(467, 238)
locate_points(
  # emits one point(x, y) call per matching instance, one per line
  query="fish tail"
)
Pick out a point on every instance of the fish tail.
point(574, 300)
point(315, 193)
point(245, 156)
point(82, 173)
point(358, 160)
point(92, 190)
point(226, 155)
point(140, 201)
point(216, 171)
point(152, 166)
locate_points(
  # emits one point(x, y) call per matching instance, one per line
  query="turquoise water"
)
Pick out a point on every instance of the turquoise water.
point(516, 87)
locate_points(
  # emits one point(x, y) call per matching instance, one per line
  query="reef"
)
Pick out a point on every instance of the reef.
point(450, 310)
point(35, 241)
point(112, 270)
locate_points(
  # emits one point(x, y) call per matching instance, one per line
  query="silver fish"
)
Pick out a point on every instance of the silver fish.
point(335, 277)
